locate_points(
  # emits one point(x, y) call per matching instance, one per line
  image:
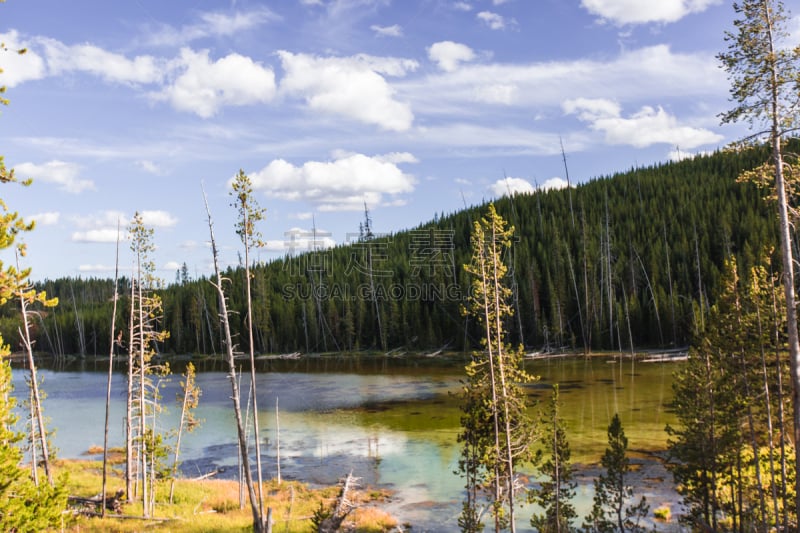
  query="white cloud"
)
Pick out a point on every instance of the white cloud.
point(397, 158)
point(103, 235)
point(96, 268)
point(512, 186)
point(340, 185)
point(158, 219)
point(209, 24)
point(63, 175)
point(108, 218)
point(493, 20)
point(462, 6)
point(204, 86)
point(498, 93)
point(115, 68)
point(349, 86)
point(592, 109)
point(149, 167)
point(650, 73)
point(387, 31)
point(505, 139)
point(18, 68)
point(46, 219)
point(298, 240)
point(448, 55)
point(553, 184)
point(171, 265)
point(638, 12)
point(679, 155)
point(646, 127)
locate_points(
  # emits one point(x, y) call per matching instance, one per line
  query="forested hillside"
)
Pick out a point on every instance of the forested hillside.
point(632, 259)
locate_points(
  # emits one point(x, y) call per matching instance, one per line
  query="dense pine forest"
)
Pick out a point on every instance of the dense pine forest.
point(629, 260)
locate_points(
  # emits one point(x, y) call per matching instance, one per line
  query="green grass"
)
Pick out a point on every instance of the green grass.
point(213, 505)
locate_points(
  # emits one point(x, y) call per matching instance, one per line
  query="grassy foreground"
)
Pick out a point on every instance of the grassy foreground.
point(213, 505)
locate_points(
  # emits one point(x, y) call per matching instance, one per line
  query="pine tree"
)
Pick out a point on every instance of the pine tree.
point(764, 77)
point(24, 507)
point(143, 443)
point(611, 510)
point(497, 434)
point(250, 213)
point(558, 487)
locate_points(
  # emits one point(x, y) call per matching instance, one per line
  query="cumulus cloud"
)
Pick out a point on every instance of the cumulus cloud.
point(158, 219)
point(646, 127)
point(462, 6)
point(111, 67)
point(493, 20)
point(18, 68)
point(387, 31)
point(449, 55)
point(203, 85)
point(101, 227)
point(354, 87)
point(149, 167)
point(343, 184)
point(638, 12)
point(62, 174)
point(511, 186)
point(101, 235)
point(49, 218)
point(553, 184)
point(679, 155)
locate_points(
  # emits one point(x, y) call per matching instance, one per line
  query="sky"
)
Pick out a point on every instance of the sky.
point(413, 108)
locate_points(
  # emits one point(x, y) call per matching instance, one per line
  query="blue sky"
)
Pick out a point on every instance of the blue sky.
point(412, 106)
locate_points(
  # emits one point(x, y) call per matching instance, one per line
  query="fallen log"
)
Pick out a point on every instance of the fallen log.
point(333, 521)
point(112, 503)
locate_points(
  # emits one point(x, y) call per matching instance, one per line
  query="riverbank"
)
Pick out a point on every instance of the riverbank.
point(213, 505)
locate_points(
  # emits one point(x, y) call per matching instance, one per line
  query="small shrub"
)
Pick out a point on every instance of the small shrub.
point(663, 513)
point(225, 506)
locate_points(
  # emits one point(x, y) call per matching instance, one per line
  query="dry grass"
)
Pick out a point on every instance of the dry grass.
point(213, 505)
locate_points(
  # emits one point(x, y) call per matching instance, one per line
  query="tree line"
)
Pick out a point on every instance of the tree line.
point(623, 261)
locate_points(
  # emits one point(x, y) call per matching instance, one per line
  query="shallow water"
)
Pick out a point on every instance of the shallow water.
point(393, 423)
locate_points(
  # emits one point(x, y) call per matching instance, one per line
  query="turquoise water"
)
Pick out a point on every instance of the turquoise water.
point(393, 423)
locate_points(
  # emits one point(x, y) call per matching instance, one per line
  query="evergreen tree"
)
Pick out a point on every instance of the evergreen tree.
point(24, 507)
point(765, 73)
point(497, 433)
point(249, 213)
point(611, 510)
point(557, 487)
point(726, 453)
point(143, 442)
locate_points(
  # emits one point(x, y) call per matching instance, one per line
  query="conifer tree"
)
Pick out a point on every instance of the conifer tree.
point(725, 455)
point(764, 75)
point(188, 401)
point(143, 400)
point(497, 434)
point(250, 213)
point(611, 509)
point(24, 507)
point(260, 522)
point(558, 487)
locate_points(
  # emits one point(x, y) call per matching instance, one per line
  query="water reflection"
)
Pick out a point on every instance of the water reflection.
point(392, 423)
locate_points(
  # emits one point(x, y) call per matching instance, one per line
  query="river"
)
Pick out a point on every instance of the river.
point(393, 422)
